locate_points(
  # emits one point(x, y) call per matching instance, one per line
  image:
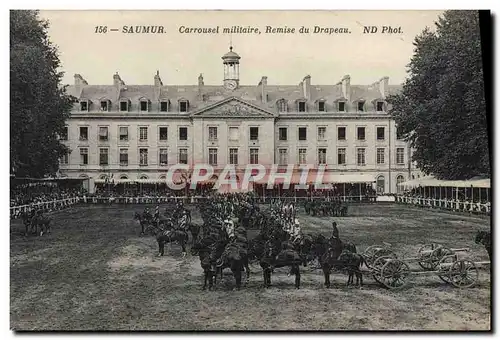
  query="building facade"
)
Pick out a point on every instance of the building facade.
point(139, 131)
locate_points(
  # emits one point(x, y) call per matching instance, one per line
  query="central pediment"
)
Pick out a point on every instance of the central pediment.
point(233, 107)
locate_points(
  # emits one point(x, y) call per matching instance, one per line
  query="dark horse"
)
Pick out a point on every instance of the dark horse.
point(484, 238)
point(35, 222)
point(274, 258)
point(144, 222)
point(329, 259)
point(235, 257)
point(169, 236)
point(203, 249)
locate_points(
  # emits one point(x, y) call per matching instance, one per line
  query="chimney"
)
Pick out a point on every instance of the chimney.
point(158, 81)
point(117, 81)
point(201, 84)
point(79, 84)
point(263, 88)
point(346, 86)
point(306, 85)
point(383, 86)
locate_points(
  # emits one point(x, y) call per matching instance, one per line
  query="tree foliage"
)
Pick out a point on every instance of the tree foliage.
point(441, 109)
point(39, 104)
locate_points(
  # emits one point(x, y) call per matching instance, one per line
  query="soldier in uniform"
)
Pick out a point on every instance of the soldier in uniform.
point(335, 231)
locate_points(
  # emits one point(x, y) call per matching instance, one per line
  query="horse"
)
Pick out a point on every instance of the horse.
point(27, 222)
point(352, 262)
point(169, 236)
point(144, 222)
point(274, 258)
point(330, 252)
point(201, 248)
point(41, 221)
point(484, 238)
point(235, 257)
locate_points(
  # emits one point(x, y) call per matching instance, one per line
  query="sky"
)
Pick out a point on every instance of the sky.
point(284, 58)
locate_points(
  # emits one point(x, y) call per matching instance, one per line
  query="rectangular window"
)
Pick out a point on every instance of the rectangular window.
point(361, 106)
point(321, 133)
point(212, 156)
point(124, 106)
point(341, 133)
point(341, 107)
point(103, 134)
point(234, 133)
point(144, 106)
point(302, 133)
point(163, 130)
point(123, 157)
point(84, 133)
point(361, 133)
point(361, 156)
point(283, 157)
point(64, 134)
point(254, 133)
point(143, 134)
point(183, 156)
point(103, 156)
point(84, 156)
point(380, 106)
point(302, 156)
point(233, 156)
point(341, 156)
point(64, 159)
point(302, 106)
point(163, 157)
point(84, 106)
point(164, 106)
point(321, 156)
point(380, 155)
point(123, 133)
point(380, 133)
point(212, 134)
point(283, 133)
point(321, 106)
point(400, 155)
point(183, 133)
point(254, 156)
point(143, 156)
point(104, 105)
point(183, 106)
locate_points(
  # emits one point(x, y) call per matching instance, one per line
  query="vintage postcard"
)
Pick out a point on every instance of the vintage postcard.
point(249, 170)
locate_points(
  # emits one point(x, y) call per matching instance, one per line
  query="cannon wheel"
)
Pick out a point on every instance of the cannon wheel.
point(463, 274)
point(431, 260)
point(395, 274)
point(372, 253)
point(377, 267)
point(443, 271)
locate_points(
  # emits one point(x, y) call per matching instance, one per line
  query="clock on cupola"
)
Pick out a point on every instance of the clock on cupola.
point(231, 61)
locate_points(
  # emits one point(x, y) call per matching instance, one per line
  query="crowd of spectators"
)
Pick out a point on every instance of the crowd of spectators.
point(447, 200)
point(28, 195)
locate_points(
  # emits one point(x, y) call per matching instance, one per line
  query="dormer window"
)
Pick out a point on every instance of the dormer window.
point(361, 106)
point(144, 104)
point(321, 106)
point(301, 106)
point(282, 105)
point(164, 106)
point(380, 106)
point(341, 107)
point(105, 105)
point(183, 106)
point(84, 105)
point(124, 105)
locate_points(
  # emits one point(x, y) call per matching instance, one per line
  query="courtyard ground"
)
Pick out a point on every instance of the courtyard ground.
point(94, 272)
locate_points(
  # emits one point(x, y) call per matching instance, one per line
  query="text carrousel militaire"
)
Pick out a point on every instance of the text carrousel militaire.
point(184, 29)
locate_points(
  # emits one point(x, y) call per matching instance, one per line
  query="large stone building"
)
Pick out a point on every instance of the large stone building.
point(138, 131)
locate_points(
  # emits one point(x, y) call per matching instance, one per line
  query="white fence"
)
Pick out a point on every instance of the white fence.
point(448, 204)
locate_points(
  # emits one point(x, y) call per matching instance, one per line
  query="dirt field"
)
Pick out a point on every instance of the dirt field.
point(94, 272)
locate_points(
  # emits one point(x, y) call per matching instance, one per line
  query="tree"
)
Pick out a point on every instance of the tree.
point(39, 104)
point(441, 110)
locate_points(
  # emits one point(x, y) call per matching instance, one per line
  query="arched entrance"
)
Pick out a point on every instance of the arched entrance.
point(380, 185)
